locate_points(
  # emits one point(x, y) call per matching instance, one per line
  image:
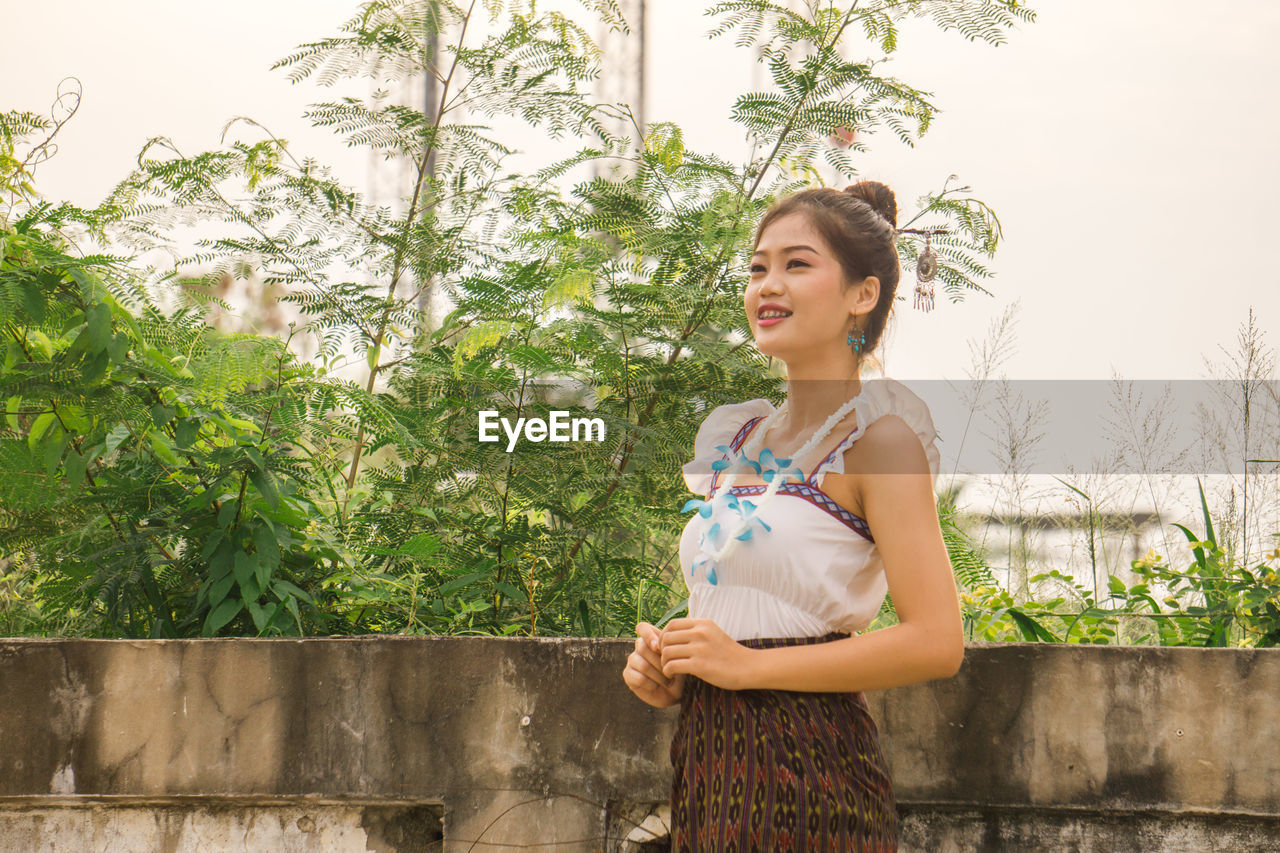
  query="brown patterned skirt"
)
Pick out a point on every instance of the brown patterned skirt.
point(779, 770)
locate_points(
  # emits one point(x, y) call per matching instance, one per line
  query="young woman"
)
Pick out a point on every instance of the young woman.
point(815, 509)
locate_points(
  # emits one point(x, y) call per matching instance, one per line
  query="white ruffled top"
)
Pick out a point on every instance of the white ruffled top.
point(810, 567)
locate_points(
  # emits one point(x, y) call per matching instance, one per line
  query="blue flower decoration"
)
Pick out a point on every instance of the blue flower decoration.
point(711, 570)
point(766, 467)
point(703, 507)
point(738, 458)
point(733, 502)
point(777, 466)
point(768, 459)
point(746, 534)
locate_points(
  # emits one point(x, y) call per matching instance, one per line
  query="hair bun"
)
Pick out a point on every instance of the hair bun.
point(879, 196)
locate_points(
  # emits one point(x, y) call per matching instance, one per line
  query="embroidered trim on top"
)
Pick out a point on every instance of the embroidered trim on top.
point(734, 444)
point(818, 498)
point(807, 490)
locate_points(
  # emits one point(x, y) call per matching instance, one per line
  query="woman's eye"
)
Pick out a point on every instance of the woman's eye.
point(757, 268)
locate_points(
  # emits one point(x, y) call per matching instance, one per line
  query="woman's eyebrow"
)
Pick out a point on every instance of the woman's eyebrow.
point(788, 249)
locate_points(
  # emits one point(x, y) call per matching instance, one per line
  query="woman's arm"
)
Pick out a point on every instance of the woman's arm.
point(928, 641)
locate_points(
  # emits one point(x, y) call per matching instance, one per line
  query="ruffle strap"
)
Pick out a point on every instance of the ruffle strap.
point(718, 428)
point(880, 397)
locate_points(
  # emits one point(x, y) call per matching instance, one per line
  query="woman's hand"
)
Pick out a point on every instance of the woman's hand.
point(700, 647)
point(643, 672)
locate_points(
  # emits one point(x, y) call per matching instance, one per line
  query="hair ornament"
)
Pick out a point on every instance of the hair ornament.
point(926, 266)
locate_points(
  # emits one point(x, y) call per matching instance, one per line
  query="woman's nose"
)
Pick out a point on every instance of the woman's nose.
point(771, 283)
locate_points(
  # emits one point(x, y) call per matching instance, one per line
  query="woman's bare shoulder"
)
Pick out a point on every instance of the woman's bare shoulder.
point(888, 446)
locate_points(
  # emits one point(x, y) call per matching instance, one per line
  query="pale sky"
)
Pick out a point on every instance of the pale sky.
point(1127, 147)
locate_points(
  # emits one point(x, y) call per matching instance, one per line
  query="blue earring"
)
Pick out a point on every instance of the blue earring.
point(859, 343)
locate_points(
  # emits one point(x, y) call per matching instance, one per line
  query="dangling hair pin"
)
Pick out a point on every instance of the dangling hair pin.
point(926, 266)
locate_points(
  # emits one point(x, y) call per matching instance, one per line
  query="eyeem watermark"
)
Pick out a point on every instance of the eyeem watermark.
point(540, 429)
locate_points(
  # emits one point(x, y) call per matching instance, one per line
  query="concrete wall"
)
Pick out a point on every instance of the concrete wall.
point(396, 744)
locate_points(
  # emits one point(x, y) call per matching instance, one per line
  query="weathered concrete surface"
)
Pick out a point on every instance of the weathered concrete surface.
point(1123, 727)
point(535, 741)
point(224, 826)
point(518, 739)
point(927, 829)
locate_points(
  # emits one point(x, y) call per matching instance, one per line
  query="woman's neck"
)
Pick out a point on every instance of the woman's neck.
point(810, 402)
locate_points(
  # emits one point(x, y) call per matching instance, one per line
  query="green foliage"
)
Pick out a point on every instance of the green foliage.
point(1214, 602)
point(151, 468)
point(228, 489)
point(15, 172)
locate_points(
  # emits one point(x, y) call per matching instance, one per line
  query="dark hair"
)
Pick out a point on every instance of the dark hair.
point(860, 225)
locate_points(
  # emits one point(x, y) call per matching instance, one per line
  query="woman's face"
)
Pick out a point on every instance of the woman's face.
point(794, 270)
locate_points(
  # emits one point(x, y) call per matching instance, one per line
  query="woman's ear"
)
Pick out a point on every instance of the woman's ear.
point(869, 291)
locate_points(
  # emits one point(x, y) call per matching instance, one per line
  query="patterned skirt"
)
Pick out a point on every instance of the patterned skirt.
point(779, 770)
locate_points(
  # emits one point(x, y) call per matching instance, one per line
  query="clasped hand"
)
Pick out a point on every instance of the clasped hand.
point(656, 670)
